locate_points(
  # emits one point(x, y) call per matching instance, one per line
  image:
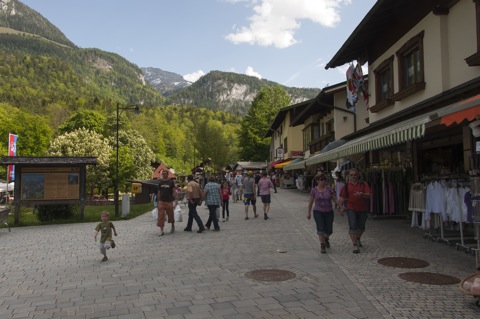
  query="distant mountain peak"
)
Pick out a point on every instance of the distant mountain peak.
point(164, 81)
point(217, 90)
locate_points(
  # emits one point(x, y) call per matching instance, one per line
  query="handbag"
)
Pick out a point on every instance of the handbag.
point(177, 213)
point(155, 214)
point(112, 244)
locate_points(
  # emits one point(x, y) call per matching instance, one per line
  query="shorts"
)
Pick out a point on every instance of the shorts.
point(266, 199)
point(249, 198)
point(356, 221)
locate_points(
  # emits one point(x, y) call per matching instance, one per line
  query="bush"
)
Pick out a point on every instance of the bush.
point(47, 213)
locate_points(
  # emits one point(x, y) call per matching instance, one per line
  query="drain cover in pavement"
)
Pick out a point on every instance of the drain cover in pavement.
point(270, 275)
point(429, 278)
point(403, 262)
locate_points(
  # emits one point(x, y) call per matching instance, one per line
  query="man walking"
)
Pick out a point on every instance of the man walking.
point(213, 200)
point(264, 185)
point(249, 194)
point(165, 197)
point(356, 193)
point(194, 197)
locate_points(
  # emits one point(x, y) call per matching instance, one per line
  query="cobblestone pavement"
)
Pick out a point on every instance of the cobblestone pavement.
point(55, 271)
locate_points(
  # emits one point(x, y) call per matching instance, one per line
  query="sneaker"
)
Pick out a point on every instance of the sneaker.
point(201, 230)
point(265, 216)
point(161, 233)
point(216, 229)
point(172, 230)
point(359, 243)
point(104, 259)
point(327, 242)
point(187, 229)
point(322, 248)
point(246, 218)
point(355, 249)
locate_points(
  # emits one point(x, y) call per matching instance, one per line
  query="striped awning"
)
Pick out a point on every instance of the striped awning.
point(282, 164)
point(395, 134)
point(297, 163)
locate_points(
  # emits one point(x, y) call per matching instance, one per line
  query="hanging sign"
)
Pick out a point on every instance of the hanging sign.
point(279, 152)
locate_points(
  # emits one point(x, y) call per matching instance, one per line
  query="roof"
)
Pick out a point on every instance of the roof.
point(322, 103)
point(384, 25)
point(296, 109)
point(157, 174)
point(48, 160)
point(250, 165)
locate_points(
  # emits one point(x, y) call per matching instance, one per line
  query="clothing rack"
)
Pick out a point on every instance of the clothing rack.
point(458, 237)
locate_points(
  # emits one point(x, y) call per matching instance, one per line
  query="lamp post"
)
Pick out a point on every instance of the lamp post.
point(136, 109)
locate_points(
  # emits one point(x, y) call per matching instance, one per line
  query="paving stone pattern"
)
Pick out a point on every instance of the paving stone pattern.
point(56, 272)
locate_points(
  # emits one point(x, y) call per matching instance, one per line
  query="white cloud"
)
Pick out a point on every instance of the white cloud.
point(251, 72)
point(193, 77)
point(274, 22)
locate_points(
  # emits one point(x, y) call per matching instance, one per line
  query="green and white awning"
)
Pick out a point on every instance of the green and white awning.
point(395, 134)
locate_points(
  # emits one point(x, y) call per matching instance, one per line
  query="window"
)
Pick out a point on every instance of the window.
point(474, 60)
point(410, 67)
point(285, 144)
point(307, 137)
point(329, 127)
point(315, 131)
point(383, 85)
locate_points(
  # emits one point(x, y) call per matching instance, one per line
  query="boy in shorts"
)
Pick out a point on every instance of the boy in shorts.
point(105, 227)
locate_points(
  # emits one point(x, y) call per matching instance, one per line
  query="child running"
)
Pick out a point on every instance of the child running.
point(106, 227)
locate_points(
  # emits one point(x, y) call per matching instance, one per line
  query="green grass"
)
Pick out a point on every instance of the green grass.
point(92, 214)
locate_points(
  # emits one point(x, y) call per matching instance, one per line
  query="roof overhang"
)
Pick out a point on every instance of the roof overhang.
point(383, 26)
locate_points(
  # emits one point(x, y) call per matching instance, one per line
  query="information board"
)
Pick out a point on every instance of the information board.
point(50, 183)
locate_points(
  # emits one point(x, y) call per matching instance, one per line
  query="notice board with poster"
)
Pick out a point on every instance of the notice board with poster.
point(52, 183)
point(51, 180)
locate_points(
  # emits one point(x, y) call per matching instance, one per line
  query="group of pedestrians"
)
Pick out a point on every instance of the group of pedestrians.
point(353, 199)
point(214, 196)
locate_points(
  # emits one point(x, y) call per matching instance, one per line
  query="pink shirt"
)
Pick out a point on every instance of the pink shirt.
point(323, 199)
point(264, 185)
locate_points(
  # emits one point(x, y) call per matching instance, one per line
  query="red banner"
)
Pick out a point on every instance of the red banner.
point(12, 151)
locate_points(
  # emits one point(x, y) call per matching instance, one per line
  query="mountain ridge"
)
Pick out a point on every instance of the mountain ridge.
point(218, 90)
point(94, 78)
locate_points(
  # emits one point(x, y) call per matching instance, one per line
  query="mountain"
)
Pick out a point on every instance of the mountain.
point(225, 91)
point(41, 67)
point(14, 15)
point(165, 82)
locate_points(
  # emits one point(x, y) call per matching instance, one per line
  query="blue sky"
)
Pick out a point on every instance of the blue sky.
point(285, 41)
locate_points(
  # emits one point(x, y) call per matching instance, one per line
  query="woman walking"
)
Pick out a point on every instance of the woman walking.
point(323, 196)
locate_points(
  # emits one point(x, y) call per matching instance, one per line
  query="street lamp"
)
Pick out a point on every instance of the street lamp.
point(136, 109)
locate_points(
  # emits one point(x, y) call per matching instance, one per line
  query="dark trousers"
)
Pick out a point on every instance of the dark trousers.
point(225, 207)
point(212, 217)
point(192, 214)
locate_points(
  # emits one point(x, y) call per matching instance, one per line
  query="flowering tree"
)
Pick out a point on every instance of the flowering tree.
point(83, 142)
